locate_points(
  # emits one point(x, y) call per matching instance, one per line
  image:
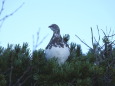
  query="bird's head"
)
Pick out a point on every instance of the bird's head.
point(54, 28)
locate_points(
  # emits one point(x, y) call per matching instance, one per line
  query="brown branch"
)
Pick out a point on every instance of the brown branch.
point(25, 79)
point(83, 42)
point(25, 72)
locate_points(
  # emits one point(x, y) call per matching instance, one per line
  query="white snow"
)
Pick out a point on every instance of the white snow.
point(56, 52)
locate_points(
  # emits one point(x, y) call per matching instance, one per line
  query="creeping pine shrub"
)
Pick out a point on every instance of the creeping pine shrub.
point(18, 67)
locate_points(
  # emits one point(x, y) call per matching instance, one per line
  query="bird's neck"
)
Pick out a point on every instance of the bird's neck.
point(56, 34)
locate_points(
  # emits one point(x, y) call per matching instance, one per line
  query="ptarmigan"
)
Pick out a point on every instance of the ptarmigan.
point(57, 48)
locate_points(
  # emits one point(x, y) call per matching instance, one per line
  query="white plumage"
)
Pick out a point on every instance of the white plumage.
point(60, 53)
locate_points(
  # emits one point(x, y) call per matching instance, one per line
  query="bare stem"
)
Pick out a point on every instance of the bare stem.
point(98, 34)
point(2, 8)
point(92, 38)
point(8, 15)
point(83, 42)
point(37, 43)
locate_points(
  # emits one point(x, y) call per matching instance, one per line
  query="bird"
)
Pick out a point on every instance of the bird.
point(57, 47)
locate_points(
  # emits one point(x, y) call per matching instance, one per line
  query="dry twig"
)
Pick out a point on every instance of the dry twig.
point(8, 15)
point(83, 42)
point(35, 45)
point(92, 38)
point(2, 8)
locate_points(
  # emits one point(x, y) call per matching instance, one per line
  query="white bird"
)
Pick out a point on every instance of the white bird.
point(57, 47)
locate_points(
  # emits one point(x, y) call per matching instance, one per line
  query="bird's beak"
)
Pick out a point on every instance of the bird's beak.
point(49, 27)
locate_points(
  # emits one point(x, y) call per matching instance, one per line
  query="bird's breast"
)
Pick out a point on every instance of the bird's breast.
point(61, 53)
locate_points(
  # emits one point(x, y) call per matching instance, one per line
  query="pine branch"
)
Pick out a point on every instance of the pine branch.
point(20, 84)
point(21, 77)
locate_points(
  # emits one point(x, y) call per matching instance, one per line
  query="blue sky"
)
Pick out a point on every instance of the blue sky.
point(72, 16)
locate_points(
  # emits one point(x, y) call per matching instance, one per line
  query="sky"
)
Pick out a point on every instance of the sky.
point(74, 17)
